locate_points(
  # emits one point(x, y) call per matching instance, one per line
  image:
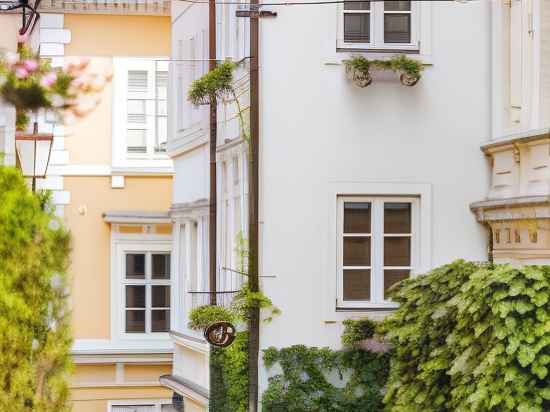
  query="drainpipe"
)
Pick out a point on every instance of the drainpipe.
point(253, 215)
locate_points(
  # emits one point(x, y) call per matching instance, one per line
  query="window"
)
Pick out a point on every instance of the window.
point(376, 247)
point(380, 25)
point(140, 112)
point(146, 292)
point(158, 406)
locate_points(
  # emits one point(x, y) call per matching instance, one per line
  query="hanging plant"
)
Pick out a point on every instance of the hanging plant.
point(358, 69)
point(215, 84)
point(30, 84)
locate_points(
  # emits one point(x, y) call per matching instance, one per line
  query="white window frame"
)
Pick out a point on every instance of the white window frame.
point(157, 403)
point(377, 236)
point(420, 29)
point(121, 95)
point(137, 244)
point(357, 188)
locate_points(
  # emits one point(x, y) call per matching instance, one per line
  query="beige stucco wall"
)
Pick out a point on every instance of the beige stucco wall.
point(100, 38)
point(9, 24)
point(97, 399)
point(91, 239)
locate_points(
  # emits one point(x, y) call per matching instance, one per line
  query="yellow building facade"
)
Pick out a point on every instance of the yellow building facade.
point(112, 183)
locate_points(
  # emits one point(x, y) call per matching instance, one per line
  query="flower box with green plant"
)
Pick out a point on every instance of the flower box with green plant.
point(358, 69)
point(31, 84)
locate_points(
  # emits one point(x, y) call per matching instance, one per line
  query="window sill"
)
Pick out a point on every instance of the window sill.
point(375, 51)
point(373, 308)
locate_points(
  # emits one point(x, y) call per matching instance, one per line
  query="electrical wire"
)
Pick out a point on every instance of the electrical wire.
point(308, 3)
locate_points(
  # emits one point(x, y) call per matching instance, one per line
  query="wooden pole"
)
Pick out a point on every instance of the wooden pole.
point(253, 213)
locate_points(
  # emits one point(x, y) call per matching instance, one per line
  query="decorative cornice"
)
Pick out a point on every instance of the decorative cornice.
point(136, 217)
point(516, 208)
point(197, 206)
point(515, 139)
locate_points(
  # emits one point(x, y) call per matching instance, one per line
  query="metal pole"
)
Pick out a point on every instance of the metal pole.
point(212, 226)
point(253, 215)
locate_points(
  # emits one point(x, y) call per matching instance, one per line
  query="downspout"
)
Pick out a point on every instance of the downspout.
point(253, 215)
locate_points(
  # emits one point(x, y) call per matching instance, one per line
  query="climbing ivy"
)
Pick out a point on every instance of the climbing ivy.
point(322, 380)
point(471, 337)
point(203, 316)
point(357, 330)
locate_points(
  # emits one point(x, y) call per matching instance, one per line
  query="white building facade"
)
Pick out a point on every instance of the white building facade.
point(360, 187)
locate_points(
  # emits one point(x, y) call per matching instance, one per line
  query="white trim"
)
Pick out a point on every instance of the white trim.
point(139, 402)
point(107, 170)
point(121, 243)
point(377, 237)
point(420, 30)
point(120, 157)
point(370, 189)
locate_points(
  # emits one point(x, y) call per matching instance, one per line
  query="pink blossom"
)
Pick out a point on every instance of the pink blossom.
point(48, 79)
point(21, 73)
point(30, 65)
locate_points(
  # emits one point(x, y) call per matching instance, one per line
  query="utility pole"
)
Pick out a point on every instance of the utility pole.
point(253, 215)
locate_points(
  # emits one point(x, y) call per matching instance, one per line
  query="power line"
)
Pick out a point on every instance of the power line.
point(310, 3)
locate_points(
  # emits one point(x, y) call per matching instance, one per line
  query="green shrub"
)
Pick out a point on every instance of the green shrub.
point(304, 384)
point(213, 85)
point(203, 316)
point(470, 337)
point(357, 330)
point(35, 338)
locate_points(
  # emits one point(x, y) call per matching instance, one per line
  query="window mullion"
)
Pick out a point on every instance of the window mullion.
point(377, 23)
point(377, 271)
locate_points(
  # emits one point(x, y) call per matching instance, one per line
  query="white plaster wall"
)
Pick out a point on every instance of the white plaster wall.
point(545, 63)
point(317, 128)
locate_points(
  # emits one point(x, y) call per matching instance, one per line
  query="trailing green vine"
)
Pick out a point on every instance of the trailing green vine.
point(216, 85)
point(203, 316)
point(359, 67)
point(323, 380)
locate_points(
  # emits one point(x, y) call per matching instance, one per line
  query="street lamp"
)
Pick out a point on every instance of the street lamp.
point(33, 154)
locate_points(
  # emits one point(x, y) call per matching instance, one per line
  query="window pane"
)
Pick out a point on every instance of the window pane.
point(162, 108)
point(357, 28)
point(162, 134)
point(357, 251)
point(135, 296)
point(160, 321)
point(397, 251)
point(137, 81)
point(135, 321)
point(356, 284)
point(136, 111)
point(397, 218)
point(357, 217)
point(391, 277)
point(161, 266)
point(135, 266)
point(161, 296)
point(396, 5)
point(162, 85)
point(357, 5)
point(397, 28)
point(136, 141)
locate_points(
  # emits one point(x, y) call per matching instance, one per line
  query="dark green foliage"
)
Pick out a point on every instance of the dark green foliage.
point(231, 376)
point(203, 316)
point(357, 330)
point(35, 337)
point(307, 381)
point(398, 64)
point(213, 85)
point(471, 337)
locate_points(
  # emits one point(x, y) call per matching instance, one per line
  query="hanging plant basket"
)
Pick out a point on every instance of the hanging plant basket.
point(358, 69)
point(30, 84)
point(408, 79)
